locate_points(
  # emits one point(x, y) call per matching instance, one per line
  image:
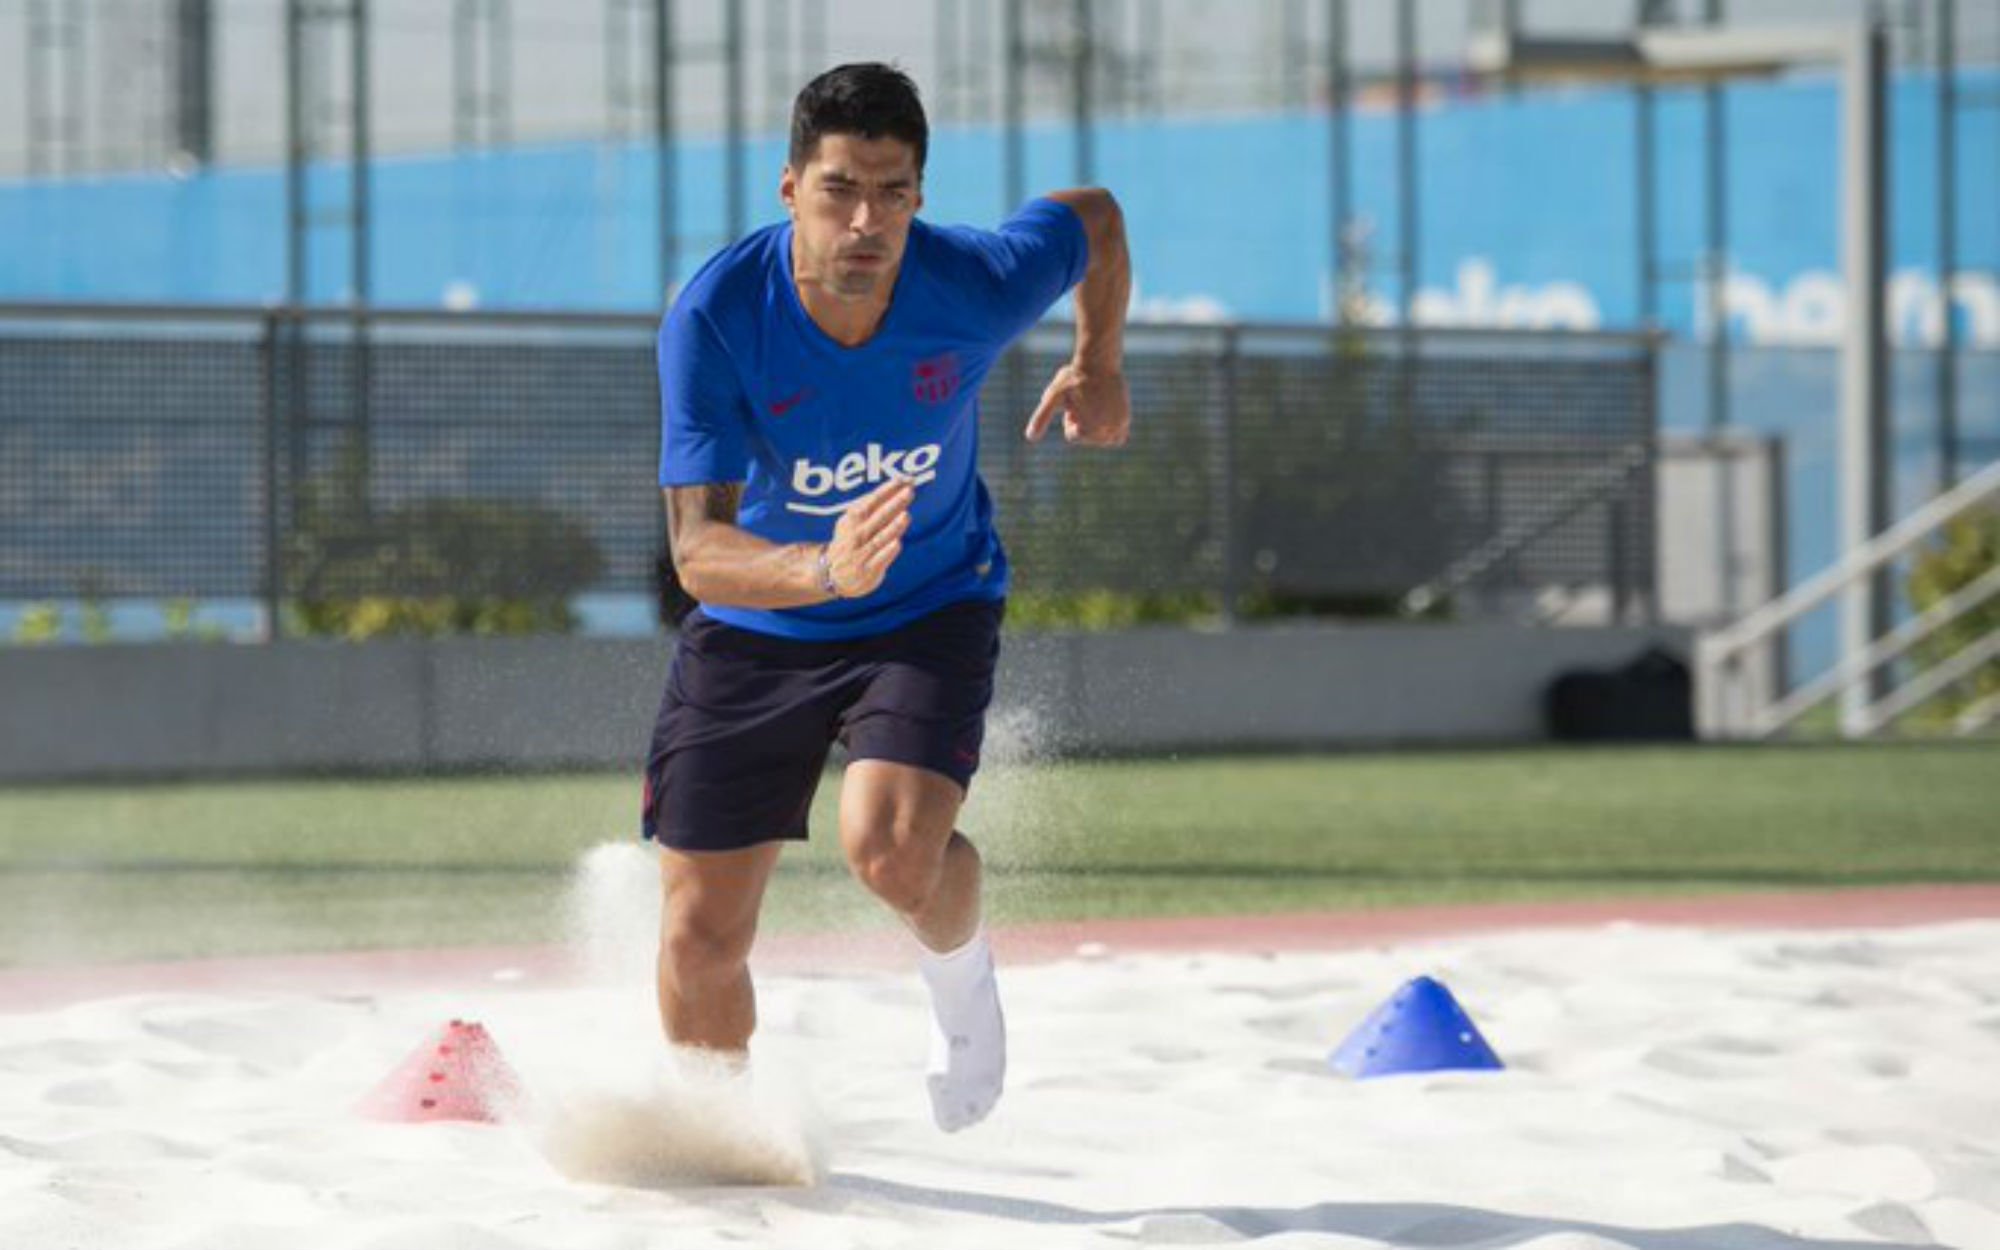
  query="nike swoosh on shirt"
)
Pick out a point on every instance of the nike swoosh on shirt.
point(779, 407)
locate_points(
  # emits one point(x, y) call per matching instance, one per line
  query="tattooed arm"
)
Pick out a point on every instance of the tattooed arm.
point(721, 563)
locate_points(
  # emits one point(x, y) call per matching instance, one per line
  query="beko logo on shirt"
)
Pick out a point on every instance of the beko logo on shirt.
point(857, 470)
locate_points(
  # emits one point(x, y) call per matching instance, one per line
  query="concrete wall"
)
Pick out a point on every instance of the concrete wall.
point(192, 709)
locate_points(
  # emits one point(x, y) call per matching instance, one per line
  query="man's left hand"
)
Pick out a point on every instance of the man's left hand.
point(1096, 407)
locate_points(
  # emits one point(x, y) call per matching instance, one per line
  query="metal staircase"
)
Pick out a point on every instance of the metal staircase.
point(1733, 707)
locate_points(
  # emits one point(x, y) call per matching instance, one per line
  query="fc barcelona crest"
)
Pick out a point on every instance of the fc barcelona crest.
point(936, 379)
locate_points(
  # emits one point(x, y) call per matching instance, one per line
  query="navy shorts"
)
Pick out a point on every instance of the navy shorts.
point(748, 719)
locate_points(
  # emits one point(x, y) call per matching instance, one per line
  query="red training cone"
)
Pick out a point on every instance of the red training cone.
point(458, 1074)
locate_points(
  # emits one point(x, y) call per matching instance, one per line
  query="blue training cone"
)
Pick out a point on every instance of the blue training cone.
point(1421, 1028)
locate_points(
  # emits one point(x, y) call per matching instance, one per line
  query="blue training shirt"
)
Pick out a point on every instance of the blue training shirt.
point(753, 391)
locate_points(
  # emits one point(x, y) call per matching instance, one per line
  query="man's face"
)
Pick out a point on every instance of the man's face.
point(851, 210)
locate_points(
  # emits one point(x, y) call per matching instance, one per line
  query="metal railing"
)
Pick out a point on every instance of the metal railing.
point(282, 455)
point(1607, 484)
point(1732, 707)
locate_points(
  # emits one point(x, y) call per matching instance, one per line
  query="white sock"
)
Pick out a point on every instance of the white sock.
point(968, 1063)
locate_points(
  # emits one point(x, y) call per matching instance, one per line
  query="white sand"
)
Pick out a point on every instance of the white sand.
point(1666, 1090)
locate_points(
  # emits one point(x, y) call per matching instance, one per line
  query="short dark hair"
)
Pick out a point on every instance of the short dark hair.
point(869, 99)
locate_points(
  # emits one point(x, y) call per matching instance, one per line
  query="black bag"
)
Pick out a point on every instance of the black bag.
point(1650, 699)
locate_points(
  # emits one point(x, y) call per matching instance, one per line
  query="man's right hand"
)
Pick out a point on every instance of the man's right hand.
point(868, 538)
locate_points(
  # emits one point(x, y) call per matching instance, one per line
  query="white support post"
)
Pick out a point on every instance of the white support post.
point(1864, 426)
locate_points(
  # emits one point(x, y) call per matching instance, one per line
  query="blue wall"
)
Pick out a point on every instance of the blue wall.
point(1227, 216)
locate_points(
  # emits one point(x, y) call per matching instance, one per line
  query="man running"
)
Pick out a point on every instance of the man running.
point(819, 384)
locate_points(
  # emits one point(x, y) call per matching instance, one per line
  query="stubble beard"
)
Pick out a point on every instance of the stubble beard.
point(852, 283)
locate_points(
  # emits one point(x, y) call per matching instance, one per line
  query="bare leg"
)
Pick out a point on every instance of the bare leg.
point(896, 828)
point(707, 924)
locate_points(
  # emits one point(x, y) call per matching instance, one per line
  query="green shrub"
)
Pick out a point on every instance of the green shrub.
point(94, 621)
point(38, 623)
point(1968, 548)
point(1095, 610)
point(433, 567)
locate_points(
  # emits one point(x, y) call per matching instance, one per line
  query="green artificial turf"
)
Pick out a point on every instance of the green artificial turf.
point(155, 871)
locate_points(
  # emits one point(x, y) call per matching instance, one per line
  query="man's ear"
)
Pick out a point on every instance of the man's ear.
point(788, 190)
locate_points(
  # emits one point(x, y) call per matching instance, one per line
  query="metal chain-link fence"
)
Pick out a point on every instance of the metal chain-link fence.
point(306, 459)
